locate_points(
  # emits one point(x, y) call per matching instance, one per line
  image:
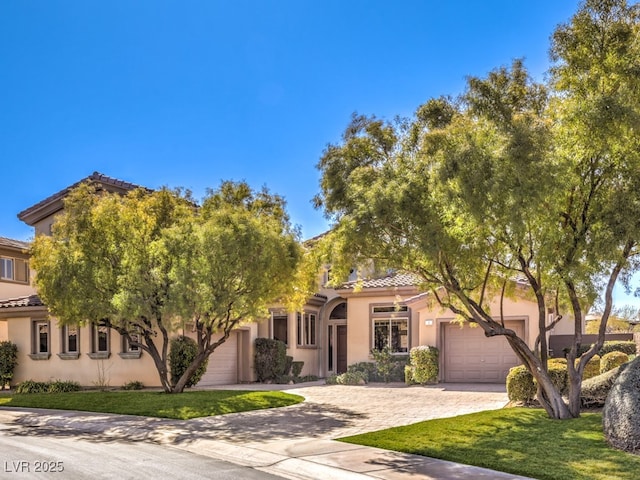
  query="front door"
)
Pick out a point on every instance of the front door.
point(341, 348)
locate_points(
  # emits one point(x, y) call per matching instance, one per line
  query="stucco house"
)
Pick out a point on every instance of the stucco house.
point(336, 328)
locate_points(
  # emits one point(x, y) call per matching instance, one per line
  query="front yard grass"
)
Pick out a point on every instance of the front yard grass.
point(182, 406)
point(521, 441)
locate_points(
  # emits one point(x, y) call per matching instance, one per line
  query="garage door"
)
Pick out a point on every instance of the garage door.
point(223, 364)
point(469, 356)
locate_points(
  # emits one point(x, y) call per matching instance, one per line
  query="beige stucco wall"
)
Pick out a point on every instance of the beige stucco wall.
point(4, 330)
point(15, 289)
point(308, 355)
point(431, 316)
point(359, 325)
point(88, 372)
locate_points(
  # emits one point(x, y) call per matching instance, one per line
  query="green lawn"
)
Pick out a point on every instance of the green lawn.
point(521, 441)
point(181, 406)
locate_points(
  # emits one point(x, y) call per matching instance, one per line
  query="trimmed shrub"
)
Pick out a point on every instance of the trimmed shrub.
point(557, 361)
point(592, 368)
point(182, 352)
point(624, 346)
point(367, 369)
point(30, 386)
point(559, 376)
point(133, 385)
point(331, 380)
point(408, 375)
point(520, 386)
point(424, 360)
point(8, 362)
point(63, 386)
point(352, 378)
point(383, 362)
point(296, 368)
point(611, 360)
point(288, 362)
point(595, 390)
point(270, 359)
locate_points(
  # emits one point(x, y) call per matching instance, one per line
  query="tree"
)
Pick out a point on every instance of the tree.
point(513, 180)
point(147, 263)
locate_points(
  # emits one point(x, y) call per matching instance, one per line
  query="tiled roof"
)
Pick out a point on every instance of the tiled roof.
point(95, 177)
point(27, 301)
point(11, 243)
point(388, 281)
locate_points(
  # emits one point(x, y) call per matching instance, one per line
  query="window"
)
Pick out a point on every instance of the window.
point(6, 268)
point(392, 333)
point(99, 341)
point(131, 349)
point(390, 309)
point(279, 327)
point(14, 269)
point(390, 327)
point(70, 342)
point(40, 340)
point(306, 329)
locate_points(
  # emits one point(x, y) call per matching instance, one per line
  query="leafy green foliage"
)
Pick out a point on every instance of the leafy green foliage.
point(56, 386)
point(629, 347)
point(296, 368)
point(513, 179)
point(183, 351)
point(596, 389)
point(520, 386)
point(147, 263)
point(612, 360)
point(8, 362)
point(270, 359)
point(63, 386)
point(353, 377)
point(383, 362)
point(393, 368)
point(592, 367)
point(424, 364)
point(133, 385)
point(31, 386)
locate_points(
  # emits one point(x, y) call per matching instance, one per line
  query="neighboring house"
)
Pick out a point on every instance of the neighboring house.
point(336, 328)
point(14, 273)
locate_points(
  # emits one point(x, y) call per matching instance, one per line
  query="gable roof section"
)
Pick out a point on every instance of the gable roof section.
point(391, 280)
point(12, 244)
point(54, 203)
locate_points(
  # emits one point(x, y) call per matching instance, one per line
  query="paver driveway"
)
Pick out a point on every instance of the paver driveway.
point(333, 411)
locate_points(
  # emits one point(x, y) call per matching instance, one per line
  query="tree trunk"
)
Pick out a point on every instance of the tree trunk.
point(160, 361)
point(548, 395)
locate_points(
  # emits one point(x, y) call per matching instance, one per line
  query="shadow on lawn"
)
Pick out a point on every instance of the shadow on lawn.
point(288, 423)
point(519, 441)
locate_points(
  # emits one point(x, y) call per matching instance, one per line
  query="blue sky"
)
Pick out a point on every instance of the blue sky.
point(189, 93)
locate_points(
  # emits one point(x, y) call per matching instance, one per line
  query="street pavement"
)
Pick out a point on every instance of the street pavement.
point(298, 442)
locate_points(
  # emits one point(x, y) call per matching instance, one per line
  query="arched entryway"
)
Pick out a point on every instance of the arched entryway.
point(337, 338)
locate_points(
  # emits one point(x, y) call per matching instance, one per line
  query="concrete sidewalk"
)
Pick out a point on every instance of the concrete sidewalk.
point(297, 442)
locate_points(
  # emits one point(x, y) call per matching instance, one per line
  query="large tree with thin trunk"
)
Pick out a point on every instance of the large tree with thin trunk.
point(513, 180)
point(147, 264)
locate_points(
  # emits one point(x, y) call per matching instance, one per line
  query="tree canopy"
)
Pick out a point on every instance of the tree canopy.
point(514, 179)
point(147, 263)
